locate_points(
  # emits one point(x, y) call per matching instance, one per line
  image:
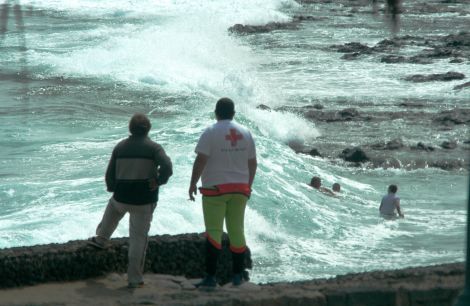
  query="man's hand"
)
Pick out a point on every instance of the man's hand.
point(192, 192)
point(153, 185)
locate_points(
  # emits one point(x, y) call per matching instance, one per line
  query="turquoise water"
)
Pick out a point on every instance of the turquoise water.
point(66, 98)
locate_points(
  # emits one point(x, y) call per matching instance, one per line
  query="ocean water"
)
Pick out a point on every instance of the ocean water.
point(73, 72)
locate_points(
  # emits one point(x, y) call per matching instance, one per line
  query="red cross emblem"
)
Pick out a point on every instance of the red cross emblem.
point(233, 137)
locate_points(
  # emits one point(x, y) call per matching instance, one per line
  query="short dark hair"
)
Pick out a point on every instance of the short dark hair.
point(139, 125)
point(225, 109)
point(336, 186)
point(314, 180)
point(392, 188)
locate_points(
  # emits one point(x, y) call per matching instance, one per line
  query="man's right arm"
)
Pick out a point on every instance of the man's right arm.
point(198, 166)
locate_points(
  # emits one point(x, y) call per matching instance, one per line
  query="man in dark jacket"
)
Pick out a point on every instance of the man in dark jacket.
point(138, 166)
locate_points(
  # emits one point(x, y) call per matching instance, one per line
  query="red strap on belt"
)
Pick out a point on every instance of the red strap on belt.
point(226, 189)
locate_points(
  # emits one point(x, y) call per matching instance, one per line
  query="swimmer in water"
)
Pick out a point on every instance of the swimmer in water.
point(336, 187)
point(390, 204)
point(315, 182)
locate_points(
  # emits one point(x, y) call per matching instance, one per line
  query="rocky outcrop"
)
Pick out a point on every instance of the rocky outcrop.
point(75, 260)
point(393, 144)
point(272, 26)
point(443, 77)
point(454, 116)
point(462, 86)
point(453, 46)
point(355, 155)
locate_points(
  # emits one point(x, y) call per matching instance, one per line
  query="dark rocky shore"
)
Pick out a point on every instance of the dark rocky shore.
point(431, 117)
point(450, 154)
point(177, 259)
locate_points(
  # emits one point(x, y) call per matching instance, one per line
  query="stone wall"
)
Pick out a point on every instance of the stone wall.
point(76, 260)
point(182, 255)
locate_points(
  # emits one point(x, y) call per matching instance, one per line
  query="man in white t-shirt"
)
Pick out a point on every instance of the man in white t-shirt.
point(226, 163)
point(391, 203)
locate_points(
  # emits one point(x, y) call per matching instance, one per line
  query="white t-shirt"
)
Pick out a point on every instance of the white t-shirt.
point(388, 205)
point(229, 146)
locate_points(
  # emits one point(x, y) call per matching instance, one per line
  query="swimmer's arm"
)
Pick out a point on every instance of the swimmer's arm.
point(327, 191)
point(397, 204)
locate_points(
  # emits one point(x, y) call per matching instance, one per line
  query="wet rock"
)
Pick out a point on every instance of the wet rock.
point(390, 162)
point(387, 45)
point(419, 59)
point(444, 77)
point(305, 150)
point(378, 146)
point(394, 144)
point(447, 164)
point(462, 86)
point(456, 61)
point(263, 107)
point(301, 18)
point(426, 8)
point(441, 52)
point(272, 26)
point(454, 116)
point(351, 56)
point(318, 106)
point(412, 104)
point(423, 147)
point(315, 153)
point(353, 47)
point(355, 154)
point(393, 59)
point(449, 144)
point(348, 113)
point(461, 39)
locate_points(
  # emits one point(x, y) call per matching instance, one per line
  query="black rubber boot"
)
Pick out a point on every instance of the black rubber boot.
point(238, 262)
point(212, 256)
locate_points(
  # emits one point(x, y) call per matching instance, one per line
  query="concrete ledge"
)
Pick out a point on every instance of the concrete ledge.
point(75, 274)
point(75, 260)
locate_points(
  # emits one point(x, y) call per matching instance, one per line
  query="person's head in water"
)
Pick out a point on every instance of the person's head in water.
point(392, 189)
point(315, 182)
point(225, 109)
point(336, 187)
point(139, 125)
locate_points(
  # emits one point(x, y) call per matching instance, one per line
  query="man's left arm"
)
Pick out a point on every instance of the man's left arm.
point(397, 204)
point(165, 169)
point(252, 161)
point(110, 176)
point(252, 166)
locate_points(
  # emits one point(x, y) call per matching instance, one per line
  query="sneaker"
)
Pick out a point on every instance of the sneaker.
point(135, 285)
point(238, 279)
point(208, 282)
point(94, 242)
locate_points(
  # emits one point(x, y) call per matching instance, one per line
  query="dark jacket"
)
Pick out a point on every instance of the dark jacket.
point(136, 161)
